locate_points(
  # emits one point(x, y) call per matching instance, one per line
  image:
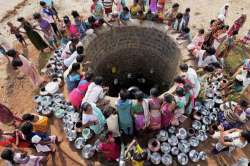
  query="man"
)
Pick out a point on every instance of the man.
point(191, 76)
point(48, 14)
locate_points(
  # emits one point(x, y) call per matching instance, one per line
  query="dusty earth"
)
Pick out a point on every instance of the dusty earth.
point(16, 91)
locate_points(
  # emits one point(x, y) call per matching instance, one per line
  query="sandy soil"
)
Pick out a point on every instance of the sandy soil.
point(16, 91)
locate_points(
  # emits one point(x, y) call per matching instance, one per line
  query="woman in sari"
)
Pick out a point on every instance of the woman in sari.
point(154, 106)
point(7, 139)
point(73, 77)
point(34, 37)
point(140, 111)
point(77, 94)
point(124, 106)
point(237, 24)
point(196, 43)
point(153, 6)
point(25, 66)
point(167, 110)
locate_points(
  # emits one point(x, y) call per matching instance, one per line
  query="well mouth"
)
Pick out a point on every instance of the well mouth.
point(142, 56)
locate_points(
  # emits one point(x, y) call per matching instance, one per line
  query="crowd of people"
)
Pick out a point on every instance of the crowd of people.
point(131, 116)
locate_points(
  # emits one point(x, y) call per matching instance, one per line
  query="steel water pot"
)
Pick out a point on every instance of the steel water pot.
point(167, 159)
point(196, 125)
point(194, 141)
point(165, 147)
point(182, 159)
point(79, 143)
point(182, 133)
point(173, 140)
point(175, 151)
point(194, 155)
point(162, 135)
point(88, 151)
point(155, 158)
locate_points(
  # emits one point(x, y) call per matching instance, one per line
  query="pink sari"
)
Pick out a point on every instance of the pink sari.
point(155, 114)
point(166, 116)
point(29, 70)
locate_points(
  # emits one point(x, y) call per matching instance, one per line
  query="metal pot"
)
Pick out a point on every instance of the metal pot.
point(209, 104)
point(194, 141)
point(182, 159)
point(184, 147)
point(167, 159)
point(213, 116)
point(202, 155)
point(96, 145)
point(88, 151)
point(173, 140)
point(172, 130)
point(182, 133)
point(86, 133)
point(155, 158)
point(194, 155)
point(197, 115)
point(202, 135)
point(174, 151)
point(154, 145)
point(196, 125)
point(206, 120)
point(79, 143)
point(59, 113)
point(162, 136)
point(191, 132)
point(71, 135)
point(165, 147)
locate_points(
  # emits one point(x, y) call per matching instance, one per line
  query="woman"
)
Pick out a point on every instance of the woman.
point(153, 6)
point(77, 94)
point(154, 106)
point(92, 117)
point(140, 110)
point(237, 25)
point(25, 66)
point(47, 30)
point(220, 36)
point(167, 110)
point(180, 106)
point(70, 48)
point(34, 37)
point(40, 123)
point(124, 106)
point(73, 77)
point(231, 139)
point(8, 139)
point(79, 23)
point(70, 28)
point(21, 157)
point(232, 115)
point(196, 43)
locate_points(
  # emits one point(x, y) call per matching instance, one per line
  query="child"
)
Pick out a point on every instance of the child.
point(185, 35)
point(197, 42)
point(14, 30)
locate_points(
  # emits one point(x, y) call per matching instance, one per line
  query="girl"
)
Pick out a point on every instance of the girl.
point(140, 111)
point(76, 95)
point(25, 66)
point(73, 77)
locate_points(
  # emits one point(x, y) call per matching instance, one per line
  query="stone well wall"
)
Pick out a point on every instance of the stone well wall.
point(143, 48)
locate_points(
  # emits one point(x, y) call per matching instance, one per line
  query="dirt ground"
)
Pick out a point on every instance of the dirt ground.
point(16, 91)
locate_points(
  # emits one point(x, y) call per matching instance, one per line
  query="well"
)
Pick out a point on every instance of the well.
point(139, 54)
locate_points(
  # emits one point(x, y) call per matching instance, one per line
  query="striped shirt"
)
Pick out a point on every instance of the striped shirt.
point(107, 4)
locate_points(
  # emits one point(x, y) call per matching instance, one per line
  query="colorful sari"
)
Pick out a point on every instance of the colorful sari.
point(155, 113)
point(166, 115)
point(138, 112)
point(237, 25)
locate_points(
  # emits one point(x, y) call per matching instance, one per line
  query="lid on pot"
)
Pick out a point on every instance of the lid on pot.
point(173, 140)
point(79, 143)
point(194, 141)
point(162, 135)
point(182, 133)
